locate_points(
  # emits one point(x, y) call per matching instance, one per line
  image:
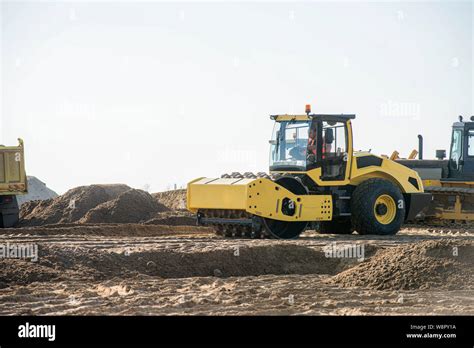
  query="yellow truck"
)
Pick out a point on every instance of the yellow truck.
point(13, 182)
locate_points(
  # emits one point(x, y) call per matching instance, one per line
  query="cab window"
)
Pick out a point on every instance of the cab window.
point(470, 143)
point(334, 150)
point(456, 148)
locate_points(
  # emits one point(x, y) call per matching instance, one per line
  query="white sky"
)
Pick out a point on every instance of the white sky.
point(156, 93)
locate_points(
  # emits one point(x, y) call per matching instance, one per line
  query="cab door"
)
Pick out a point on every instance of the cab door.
point(335, 148)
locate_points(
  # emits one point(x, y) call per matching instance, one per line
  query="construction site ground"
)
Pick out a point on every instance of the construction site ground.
point(148, 269)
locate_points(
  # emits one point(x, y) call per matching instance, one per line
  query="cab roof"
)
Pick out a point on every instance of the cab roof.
point(324, 117)
point(463, 124)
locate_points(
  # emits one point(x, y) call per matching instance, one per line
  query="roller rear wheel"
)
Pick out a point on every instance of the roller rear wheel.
point(377, 207)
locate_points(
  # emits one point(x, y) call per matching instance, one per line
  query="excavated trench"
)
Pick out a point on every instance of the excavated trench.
point(58, 262)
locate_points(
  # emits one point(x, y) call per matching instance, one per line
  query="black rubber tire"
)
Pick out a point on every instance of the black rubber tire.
point(362, 207)
point(284, 230)
point(342, 226)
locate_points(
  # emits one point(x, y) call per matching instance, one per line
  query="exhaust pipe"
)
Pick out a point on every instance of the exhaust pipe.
point(420, 146)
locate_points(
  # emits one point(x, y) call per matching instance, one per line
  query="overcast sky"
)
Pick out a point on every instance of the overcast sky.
point(153, 94)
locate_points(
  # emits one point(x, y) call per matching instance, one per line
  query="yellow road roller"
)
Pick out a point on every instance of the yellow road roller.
point(315, 180)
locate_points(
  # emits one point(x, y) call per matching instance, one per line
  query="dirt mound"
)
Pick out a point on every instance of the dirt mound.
point(429, 264)
point(174, 200)
point(71, 206)
point(37, 190)
point(25, 272)
point(27, 208)
point(131, 206)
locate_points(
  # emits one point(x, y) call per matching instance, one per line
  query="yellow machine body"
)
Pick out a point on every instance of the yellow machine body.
point(451, 205)
point(260, 197)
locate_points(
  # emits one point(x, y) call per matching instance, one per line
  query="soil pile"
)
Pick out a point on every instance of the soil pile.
point(26, 209)
point(132, 206)
point(174, 200)
point(70, 207)
point(430, 264)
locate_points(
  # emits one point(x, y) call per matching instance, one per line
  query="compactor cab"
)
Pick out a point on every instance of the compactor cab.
point(307, 142)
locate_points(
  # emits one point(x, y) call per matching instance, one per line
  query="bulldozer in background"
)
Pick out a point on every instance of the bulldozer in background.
point(13, 182)
point(315, 179)
point(450, 181)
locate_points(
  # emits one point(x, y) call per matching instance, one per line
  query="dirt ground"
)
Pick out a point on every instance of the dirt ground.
point(114, 250)
point(100, 269)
